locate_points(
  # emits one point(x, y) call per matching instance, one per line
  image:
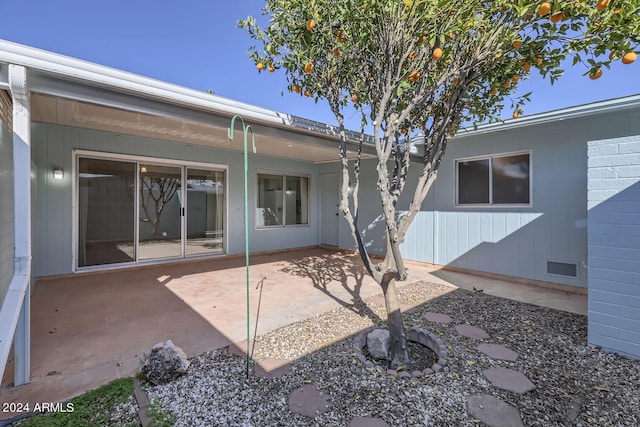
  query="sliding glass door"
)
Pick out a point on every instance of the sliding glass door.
point(159, 212)
point(106, 211)
point(132, 211)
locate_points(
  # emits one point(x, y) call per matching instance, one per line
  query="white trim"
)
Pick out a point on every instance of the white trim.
point(489, 157)
point(183, 165)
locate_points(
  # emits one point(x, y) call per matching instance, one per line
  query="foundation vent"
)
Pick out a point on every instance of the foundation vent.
point(562, 269)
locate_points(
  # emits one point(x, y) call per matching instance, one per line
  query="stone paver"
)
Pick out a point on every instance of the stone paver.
point(498, 352)
point(272, 368)
point(493, 412)
point(367, 422)
point(308, 401)
point(437, 317)
point(472, 332)
point(508, 379)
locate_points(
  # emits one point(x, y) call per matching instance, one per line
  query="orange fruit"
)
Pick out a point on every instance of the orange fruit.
point(603, 4)
point(516, 115)
point(525, 66)
point(451, 36)
point(271, 68)
point(507, 85)
point(544, 9)
point(557, 17)
point(260, 66)
point(306, 93)
point(596, 74)
point(538, 60)
point(337, 52)
point(296, 88)
point(629, 57)
point(494, 91)
point(613, 54)
point(516, 44)
point(311, 24)
point(437, 53)
point(420, 39)
point(456, 81)
point(414, 76)
point(617, 9)
point(515, 79)
point(308, 67)
point(354, 98)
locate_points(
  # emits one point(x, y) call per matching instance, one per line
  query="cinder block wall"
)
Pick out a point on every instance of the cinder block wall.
point(613, 200)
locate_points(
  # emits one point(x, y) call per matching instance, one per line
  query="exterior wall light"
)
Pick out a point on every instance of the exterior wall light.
point(58, 173)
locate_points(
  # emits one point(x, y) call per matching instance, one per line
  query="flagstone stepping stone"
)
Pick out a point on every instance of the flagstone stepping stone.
point(367, 422)
point(308, 401)
point(240, 348)
point(508, 379)
point(493, 412)
point(437, 317)
point(498, 352)
point(472, 332)
point(272, 368)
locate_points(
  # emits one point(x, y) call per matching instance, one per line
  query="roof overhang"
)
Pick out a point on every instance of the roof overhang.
point(72, 92)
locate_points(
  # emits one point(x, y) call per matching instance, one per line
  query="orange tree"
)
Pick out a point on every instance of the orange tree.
point(425, 66)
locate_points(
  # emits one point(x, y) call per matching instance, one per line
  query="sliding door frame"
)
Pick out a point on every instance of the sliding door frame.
point(138, 160)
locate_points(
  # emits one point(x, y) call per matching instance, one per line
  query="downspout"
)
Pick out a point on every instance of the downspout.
point(15, 311)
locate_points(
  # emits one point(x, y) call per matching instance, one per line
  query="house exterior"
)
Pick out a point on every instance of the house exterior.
point(103, 169)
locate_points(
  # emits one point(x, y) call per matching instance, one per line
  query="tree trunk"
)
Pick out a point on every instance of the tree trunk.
point(398, 350)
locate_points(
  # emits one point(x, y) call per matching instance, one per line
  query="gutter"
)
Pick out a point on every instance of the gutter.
point(15, 310)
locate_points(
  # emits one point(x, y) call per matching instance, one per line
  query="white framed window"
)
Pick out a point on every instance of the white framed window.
point(496, 180)
point(283, 200)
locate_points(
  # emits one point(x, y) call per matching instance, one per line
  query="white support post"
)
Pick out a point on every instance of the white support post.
point(22, 217)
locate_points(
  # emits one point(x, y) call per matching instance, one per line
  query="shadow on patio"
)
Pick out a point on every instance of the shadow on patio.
point(88, 329)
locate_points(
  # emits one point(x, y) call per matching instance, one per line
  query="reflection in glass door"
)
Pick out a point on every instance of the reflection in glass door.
point(106, 212)
point(159, 212)
point(205, 211)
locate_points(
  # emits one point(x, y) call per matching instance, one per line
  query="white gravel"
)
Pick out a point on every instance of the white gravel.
point(575, 385)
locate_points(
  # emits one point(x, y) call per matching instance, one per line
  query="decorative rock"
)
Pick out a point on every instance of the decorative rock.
point(498, 352)
point(412, 334)
point(493, 412)
point(472, 332)
point(442, 362)
point(367, 422)
point(240, 348)
point(308, 401)
point(416, 374)
point(437, 318)
point(436, 367)
point(163, 363)
point(378, 343)
point(392, 372)
point(428, 371)
point(508, 379)
point(404, 374)
point(272, 368)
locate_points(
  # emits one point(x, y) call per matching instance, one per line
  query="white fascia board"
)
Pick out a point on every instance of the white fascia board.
point(70, 68)
point(599, 107)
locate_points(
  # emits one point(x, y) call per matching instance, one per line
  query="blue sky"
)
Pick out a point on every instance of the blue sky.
point(195, 43)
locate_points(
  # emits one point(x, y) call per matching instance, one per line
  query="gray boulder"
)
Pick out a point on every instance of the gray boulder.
point(163, 363)
point(378, 344)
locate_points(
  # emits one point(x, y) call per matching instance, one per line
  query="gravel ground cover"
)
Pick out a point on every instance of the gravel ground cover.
point(575, 385)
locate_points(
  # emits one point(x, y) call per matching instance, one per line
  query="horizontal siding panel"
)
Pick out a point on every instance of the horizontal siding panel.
point(624, 347)
point(628, 327)
point(621, 264)
point(613, 286)
point(617, 310)
point(613, 241)
point(617, 275)
point(613, 252)
point(613, 297)
point(615, 218)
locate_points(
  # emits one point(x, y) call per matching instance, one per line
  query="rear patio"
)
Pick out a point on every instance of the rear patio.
point(90, 328)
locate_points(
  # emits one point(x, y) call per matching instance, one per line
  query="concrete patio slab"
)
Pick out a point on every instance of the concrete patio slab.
point(493, 412)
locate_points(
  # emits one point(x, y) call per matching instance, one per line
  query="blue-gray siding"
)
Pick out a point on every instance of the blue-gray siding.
point(518, 241)
point(53, 147)
point(614, 244)
point(6, 196)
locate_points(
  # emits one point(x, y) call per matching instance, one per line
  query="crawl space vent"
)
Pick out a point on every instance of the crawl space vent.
point(562, 269)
